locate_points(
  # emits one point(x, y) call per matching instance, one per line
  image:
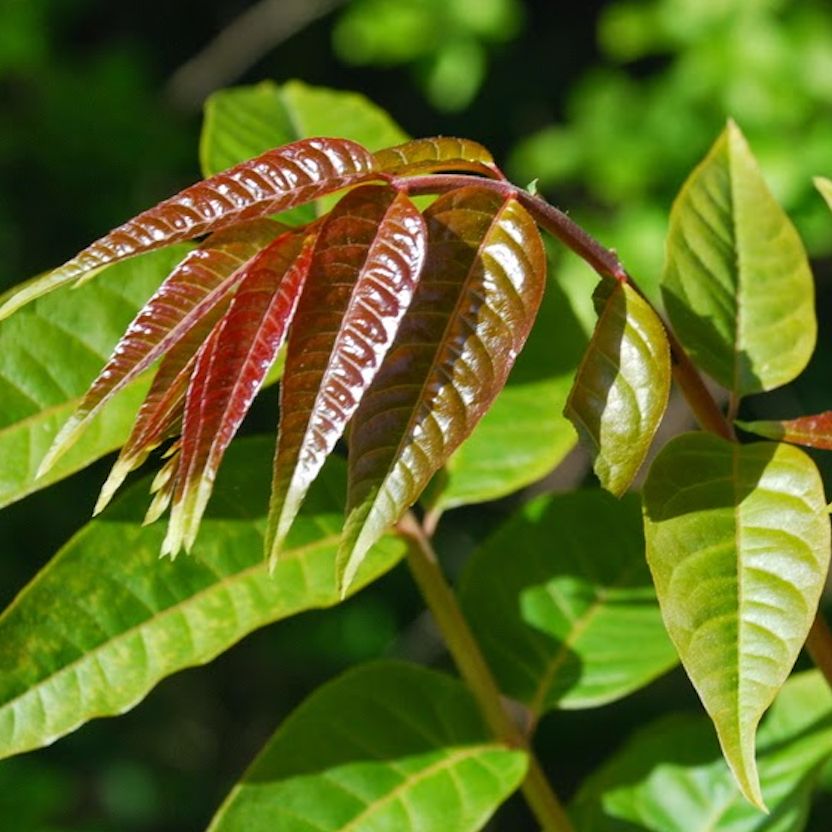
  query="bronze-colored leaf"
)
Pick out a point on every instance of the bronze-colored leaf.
point(812, 431)
point(472, 311)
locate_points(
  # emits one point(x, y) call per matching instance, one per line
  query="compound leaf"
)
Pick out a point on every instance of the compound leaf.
point(670, 775)
point(437, 154)
point(561, 602)
point(385, 746)
point(278, 179)
point(737, 284)
point(738, 543)
point(105, 620)
point(367, 259)
point(811, 431)
point(622, 386)
point(474, 306)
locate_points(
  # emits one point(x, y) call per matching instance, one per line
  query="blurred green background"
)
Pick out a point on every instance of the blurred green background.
point(607, 104)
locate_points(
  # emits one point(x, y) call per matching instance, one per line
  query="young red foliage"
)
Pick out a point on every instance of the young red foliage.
point(811, 431)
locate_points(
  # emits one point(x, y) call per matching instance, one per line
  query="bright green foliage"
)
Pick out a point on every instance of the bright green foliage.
point(49, 354)
point(621, 388)
point(670, 777)
point(561, 601)
point(737, 286)
point(385, 746)
point(738, 543)
point(106, 620)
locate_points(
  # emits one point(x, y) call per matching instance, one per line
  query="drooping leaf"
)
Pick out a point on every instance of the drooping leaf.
point(738, 543)
point(737, 285)
point(524, 435)
point(437, 154)
point(670, 777)
point(49, 355)
point(274, 181)
point(170, 317)
point(561, 602)
point(367, 259)
point(472, 311)
point(811, 431)
point(385, 746)
point(228, 372)
point(622, 386)
point(106, 620)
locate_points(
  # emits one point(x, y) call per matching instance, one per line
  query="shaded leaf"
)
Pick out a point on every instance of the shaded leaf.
point(105, 619)
point(229, 370)
point(472, 311)
point(49, 354)
point(670, 778)
point(811, 431)
point(367, 259)
point(278, 179)
point(737, 285)
point(179, 315)
point(442, 153)
point(621, 389)
point(738, 543)
point(385, 746)
point(561, 602)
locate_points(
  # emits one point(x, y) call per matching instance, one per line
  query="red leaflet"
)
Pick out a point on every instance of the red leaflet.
point(472, 311)
point(430, 155)
point(278, 179)
point(179, 315)
point(229, 370)
point(811, 431)
point(366, 263)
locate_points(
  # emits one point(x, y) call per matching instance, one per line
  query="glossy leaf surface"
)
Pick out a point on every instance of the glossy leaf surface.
point(229, 370)
point(106, 620)
point(367, 259)
point(670, 778)
point(561, 601)
point(811, 431)
point(274, 181)
point(524, 435)
point(171, 318)
point(49, 355)
point(622, 386)
point(737, 285)
point(385, 746)
point(738, 543)
point(442, 153)
point(472, 311)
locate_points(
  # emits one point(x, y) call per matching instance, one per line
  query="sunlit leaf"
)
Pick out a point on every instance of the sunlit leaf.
point(278, 179)
point(737, 285)
point(367, 259)
point(385, 746)
point(670, 777)
point(438, 154)
point(561, 601)
point(824, 185)
point(179, 314)
point(472, 311)
point(738, 543)
point(106, 620)
point(811, 431)
point(228, 372)
point(49, 355)
point(621, 388)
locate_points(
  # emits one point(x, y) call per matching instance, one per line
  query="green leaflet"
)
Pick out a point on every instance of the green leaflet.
point(622, 386)
point(738, 543)
point(242, 122)
point(737, 285)
point(825, 187)
point(561, 601)
point(106, 620)
point(387, 746)
point(670, 778)
point(524, 435)
point(49, 354)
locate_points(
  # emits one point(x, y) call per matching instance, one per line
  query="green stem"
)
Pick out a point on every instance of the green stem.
point(472, 666)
